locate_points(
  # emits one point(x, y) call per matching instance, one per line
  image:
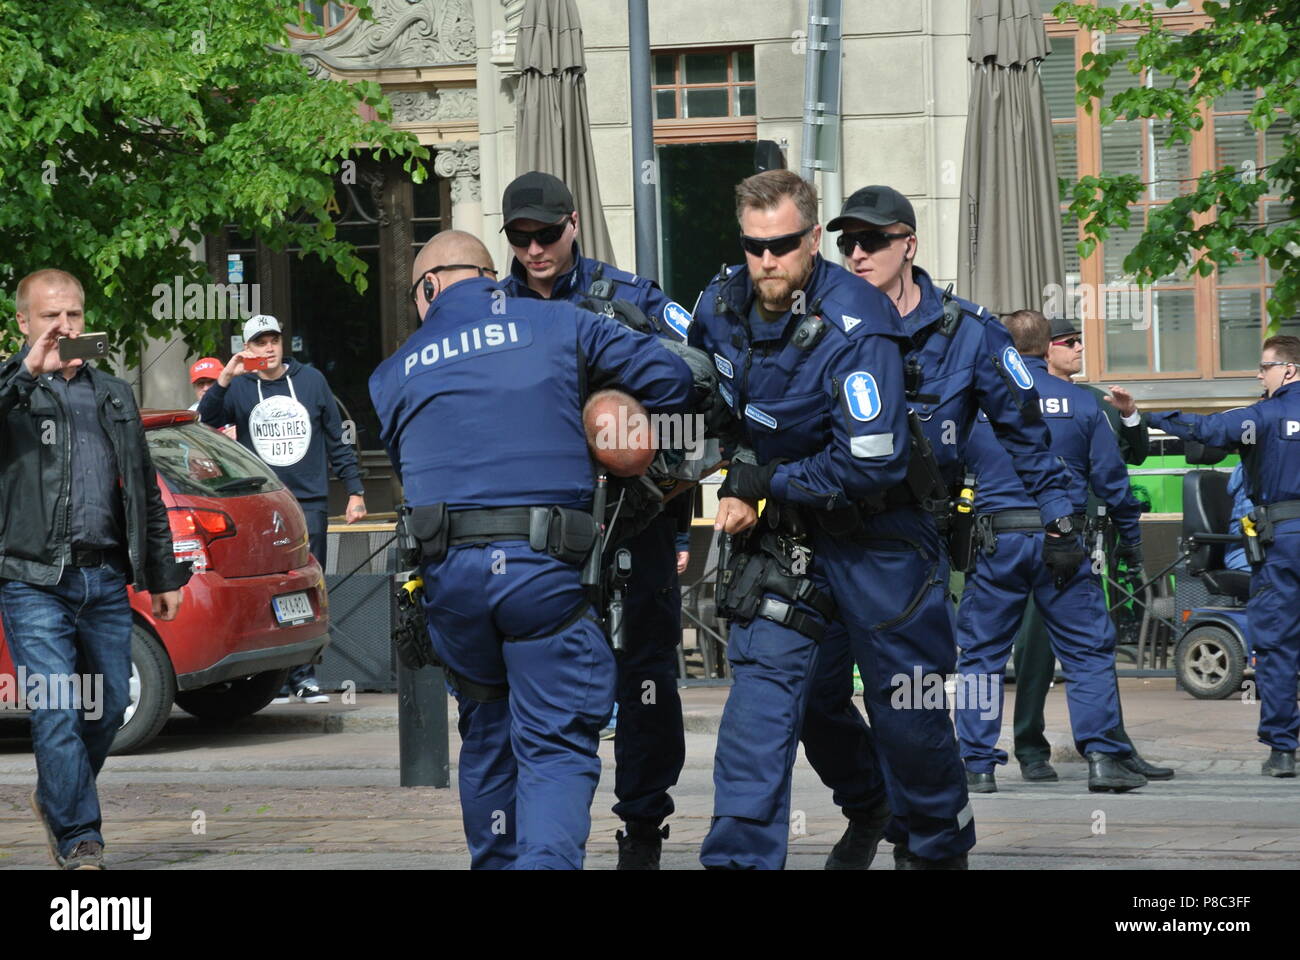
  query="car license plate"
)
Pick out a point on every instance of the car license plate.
point(292, 607)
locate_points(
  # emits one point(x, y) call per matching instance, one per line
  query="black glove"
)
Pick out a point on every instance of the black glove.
point(1063, 555)
point(748, 481)
point(1130, 554)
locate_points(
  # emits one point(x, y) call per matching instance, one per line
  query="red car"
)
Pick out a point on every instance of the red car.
point(256, 605)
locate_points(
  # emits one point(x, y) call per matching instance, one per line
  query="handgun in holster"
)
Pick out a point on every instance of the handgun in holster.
point(1258, 534)
point(410, 634)
point(961, 527)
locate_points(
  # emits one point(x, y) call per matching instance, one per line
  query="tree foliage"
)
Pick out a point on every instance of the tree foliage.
point(1247, 45)
point(129, 128)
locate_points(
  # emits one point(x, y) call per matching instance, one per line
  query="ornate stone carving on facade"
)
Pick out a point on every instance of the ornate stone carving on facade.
point(458, 162)
point(423, 106)
point(514, 14)
point(405, 33)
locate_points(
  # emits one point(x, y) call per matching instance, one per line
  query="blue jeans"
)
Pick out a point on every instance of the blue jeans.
point(79, 626)
point(317, 514)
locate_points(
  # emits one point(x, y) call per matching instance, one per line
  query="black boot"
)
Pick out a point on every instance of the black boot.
point(639, 848)
point(1138, 764)
point(857, 848)
point(905, 859)
point(1038, 771)
point(1107, 773)
point(981, 782)
point(1280, 763)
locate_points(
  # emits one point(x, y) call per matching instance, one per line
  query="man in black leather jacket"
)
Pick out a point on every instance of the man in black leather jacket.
point(82, 517)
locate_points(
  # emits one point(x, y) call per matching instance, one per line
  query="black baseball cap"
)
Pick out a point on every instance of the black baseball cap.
point(536, 196)
point(1064, 327)
point(876, 205)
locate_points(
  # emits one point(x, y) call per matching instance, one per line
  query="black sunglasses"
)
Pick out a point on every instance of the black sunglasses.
point(871, 241)
point(450, 266)
point(780, 246)
point(545, 236)
point(1069, 342)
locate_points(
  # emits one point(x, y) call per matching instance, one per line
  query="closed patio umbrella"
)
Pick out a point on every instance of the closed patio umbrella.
point(552, 127)
point(1010, 227)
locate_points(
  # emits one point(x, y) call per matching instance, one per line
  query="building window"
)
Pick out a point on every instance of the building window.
point(329, 17)
point(705, 131)
point(1182, 326)
point(704, 94)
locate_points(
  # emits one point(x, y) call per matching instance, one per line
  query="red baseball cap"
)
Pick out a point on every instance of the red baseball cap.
point(209, 368)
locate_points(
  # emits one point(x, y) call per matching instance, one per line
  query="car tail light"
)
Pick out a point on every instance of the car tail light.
point(193, 529)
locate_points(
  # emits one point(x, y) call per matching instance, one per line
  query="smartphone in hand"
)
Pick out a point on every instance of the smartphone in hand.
point(88, 346)
point(256, 363)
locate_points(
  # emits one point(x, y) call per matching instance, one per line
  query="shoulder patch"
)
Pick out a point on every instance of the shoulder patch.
point(1015, 365)
point(849, 322)
point(862, 396)
point(677, 317)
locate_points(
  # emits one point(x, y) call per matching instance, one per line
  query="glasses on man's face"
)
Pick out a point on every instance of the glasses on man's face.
point(482, 271)
point(1265, 364)
point(1069, 342)
point(545, 236)
point(871, 241)
point(780, 246)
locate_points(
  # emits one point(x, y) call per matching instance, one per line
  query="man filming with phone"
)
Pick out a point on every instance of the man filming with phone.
point(286, 413)
point(83, 518)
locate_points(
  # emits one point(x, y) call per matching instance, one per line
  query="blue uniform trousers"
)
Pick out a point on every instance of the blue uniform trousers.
point(650, 742)
point(1275, 632)
point(528, 765)
point(893, 610)
point(1082, 635)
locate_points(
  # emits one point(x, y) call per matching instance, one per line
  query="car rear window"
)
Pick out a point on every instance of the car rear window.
point(198, 460)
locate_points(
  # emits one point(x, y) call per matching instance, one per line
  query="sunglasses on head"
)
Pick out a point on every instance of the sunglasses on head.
point(871, 241)
point(1069, 342)
point(545, 236)
point(780, 246)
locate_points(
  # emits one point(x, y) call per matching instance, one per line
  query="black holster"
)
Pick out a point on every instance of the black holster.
point(429, 528)
point(765, 564)
point(567, 535)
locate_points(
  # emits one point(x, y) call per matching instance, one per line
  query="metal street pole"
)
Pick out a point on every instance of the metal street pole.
point(644, 167)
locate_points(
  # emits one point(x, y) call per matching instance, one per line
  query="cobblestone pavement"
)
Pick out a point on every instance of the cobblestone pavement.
point(278, 791)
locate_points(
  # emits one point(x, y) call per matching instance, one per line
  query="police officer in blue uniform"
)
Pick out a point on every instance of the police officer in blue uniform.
point(1017, 559)
point(541, 226)
point(959, 360)
point(481, 412)
point(1267, 434)
point(808, 359)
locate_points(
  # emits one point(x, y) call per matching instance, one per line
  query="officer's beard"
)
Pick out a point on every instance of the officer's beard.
point(776, 288)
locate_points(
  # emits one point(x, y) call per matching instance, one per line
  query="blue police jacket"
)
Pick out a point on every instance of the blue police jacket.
point(976, 369)
point(834, 410)
point(575, 284)
point(1267, 433)
point(1081, 437)
point(482, 406)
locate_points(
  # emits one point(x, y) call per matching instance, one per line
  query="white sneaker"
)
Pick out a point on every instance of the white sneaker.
point(283, 698)
point(310, 693)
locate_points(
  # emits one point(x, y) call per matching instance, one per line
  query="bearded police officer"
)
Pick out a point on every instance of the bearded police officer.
point(1267, 434)
point(959, 361)
point(481, 412)
point(809, 360)
point(1014, 563)
point(541, 226)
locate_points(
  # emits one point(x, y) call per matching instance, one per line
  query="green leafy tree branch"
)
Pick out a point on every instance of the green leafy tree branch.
point(1247, 45)
point(130, 128)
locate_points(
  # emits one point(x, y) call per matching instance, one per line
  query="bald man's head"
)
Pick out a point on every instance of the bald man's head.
point(448, 258)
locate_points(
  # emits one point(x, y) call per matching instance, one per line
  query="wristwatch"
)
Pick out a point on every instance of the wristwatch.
point(1062, 525)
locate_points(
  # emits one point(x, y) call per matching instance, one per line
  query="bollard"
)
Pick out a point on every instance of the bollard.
point(422, 734)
